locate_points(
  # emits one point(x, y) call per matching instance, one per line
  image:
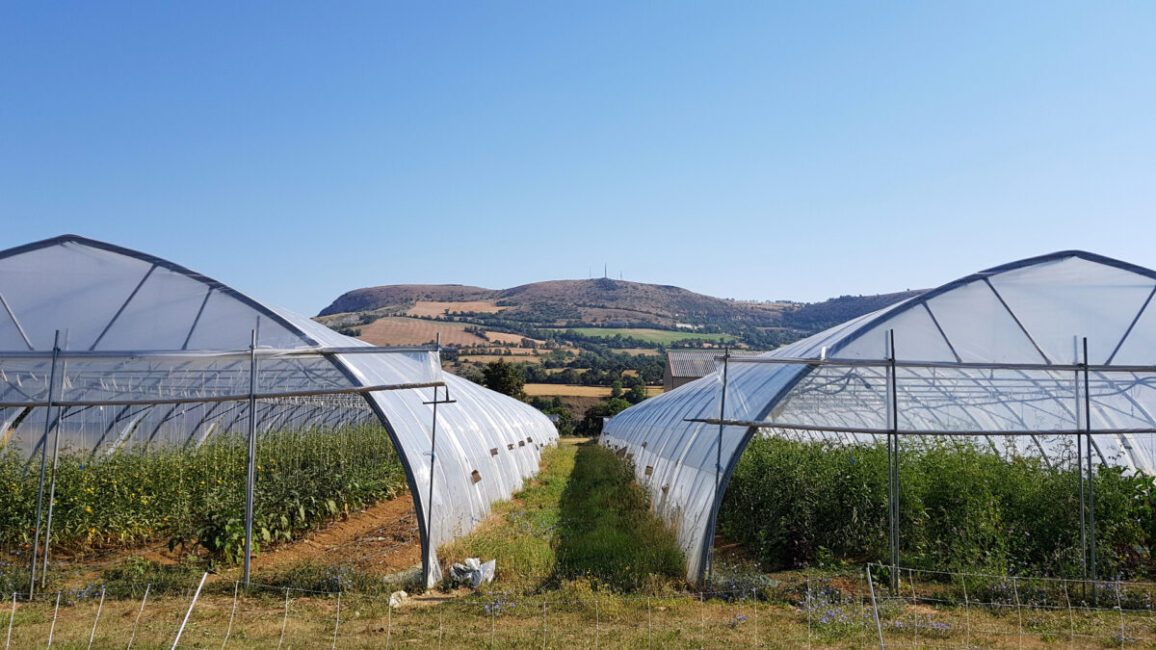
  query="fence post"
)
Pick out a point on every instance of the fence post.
point(99, 607)
point(755, 606)
point(875, 607)
point(138, 614)
point(285, 622)
point(192, 604)
point(55, 613)
point(11, 617)
point(232, 615)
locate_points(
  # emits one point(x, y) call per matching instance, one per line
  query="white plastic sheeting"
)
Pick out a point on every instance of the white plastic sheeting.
point(153, 353)
point(1002, 352)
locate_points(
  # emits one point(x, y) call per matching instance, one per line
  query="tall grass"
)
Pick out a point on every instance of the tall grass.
point(962, 507)
point(583, 519)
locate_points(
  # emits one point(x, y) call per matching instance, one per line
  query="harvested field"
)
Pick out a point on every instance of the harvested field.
point(429, 308)
point(662, 337)
point(506, 337)
point(398, 330)
point(515, 355)
point(571, 390)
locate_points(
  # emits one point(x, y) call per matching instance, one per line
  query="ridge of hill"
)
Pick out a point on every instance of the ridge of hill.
point(537, 309)
point(601, 301)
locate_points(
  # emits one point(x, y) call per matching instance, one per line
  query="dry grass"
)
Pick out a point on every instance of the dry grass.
point(412, 331)
point(576, 619)
point(569, 617)
point(429, 308)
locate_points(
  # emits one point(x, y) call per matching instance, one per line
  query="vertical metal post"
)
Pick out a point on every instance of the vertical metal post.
point(433, 446)
point(722, 414)
point(43, 462)
point(251, 477)
point(1091, 470)
point(51, 496)
point(52, 475)
point(1080, 481)
point(893, 459)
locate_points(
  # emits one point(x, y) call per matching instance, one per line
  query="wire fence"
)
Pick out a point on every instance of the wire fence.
point(227, 615)
point(918, 609)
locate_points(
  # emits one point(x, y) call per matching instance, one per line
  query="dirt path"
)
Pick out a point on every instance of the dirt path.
point(382, 539)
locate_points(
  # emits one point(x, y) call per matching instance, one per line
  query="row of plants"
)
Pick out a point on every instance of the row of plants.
point(962, 507)
point(195, 496)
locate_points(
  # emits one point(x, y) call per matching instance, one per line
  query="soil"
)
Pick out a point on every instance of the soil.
point(382, 539)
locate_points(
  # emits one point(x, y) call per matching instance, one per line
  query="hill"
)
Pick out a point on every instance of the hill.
point(598, 302)
point(590, 332)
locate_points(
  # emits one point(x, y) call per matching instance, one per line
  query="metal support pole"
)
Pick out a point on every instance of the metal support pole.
point(251, 478)
point(1091, 471)
point(51, 494)
point(722, 408)
point(1080, 482)
point(893, 460)
point(43, 462)
point(433, 447)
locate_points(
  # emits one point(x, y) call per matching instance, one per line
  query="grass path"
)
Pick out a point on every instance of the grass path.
point(583, 518)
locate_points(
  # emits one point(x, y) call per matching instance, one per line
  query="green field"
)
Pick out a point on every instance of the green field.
point(661, 337)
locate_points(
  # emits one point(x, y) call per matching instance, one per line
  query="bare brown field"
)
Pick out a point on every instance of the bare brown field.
point(572, 390)
point(641, 352)
point(397, 330)
point(567, 390)
point(515, 355)
point(506, 337)
point(429, 308)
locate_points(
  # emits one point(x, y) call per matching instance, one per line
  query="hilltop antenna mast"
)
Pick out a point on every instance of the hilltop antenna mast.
point(605, 273)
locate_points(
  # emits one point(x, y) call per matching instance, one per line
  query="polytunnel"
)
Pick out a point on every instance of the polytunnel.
point(103, 348)
point(1024, 357)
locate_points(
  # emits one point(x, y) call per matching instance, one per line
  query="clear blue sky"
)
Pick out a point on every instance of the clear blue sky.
point(752, 150)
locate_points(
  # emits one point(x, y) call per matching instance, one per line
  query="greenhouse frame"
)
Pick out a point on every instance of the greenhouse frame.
point(1030, 358)
point(105, 349)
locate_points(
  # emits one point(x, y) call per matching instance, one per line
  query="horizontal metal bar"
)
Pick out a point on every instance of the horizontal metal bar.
point(262, 353)
point(950, 365)
point(224, 398)
point(763, 424)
